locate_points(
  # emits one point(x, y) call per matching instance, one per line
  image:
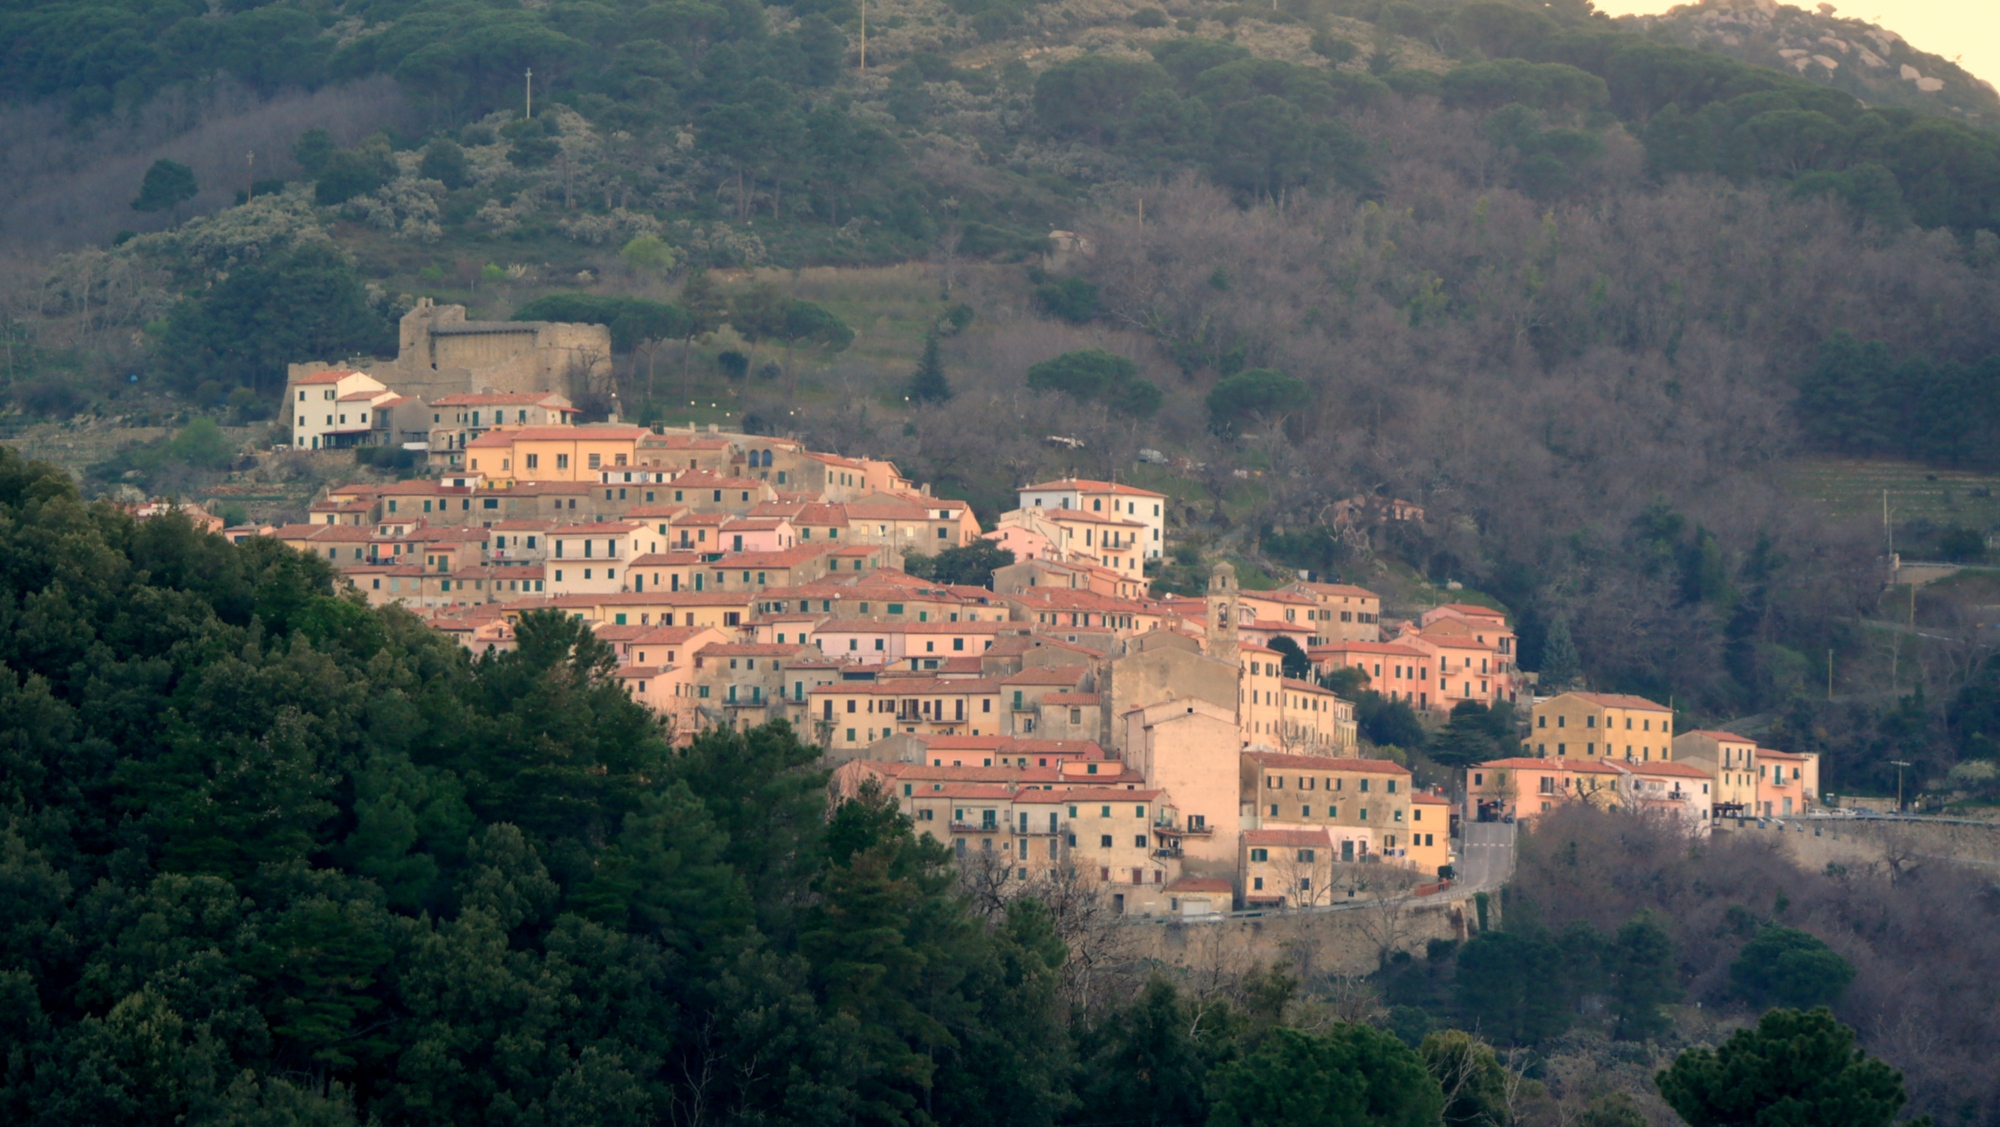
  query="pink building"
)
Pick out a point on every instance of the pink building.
point(1398, 672)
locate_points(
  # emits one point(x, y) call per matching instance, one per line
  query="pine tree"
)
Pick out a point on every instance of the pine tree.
point(167, 186)
point(927, 384)
point(1641, 966)
point(1560, 667)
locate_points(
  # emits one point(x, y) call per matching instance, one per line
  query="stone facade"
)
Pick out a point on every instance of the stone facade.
point(440, 353)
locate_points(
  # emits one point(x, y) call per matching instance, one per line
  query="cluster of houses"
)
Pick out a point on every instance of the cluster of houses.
point(1618, 751)
point(1061, 721)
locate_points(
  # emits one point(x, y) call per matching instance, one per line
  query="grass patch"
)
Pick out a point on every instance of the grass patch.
point(1850, 489)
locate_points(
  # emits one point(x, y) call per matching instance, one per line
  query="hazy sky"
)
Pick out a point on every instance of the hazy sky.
point(1967, 31)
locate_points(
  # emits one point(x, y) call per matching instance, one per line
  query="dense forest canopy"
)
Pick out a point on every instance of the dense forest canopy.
point(775, 109)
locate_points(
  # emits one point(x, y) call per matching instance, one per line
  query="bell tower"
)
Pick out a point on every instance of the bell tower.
point(1222, 612)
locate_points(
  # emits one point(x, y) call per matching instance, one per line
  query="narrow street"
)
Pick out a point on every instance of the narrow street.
point(1487, 858)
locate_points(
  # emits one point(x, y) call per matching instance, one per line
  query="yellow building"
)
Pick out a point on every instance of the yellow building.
point(1602, 725)
point(1731, 760)
point(1430, 832)
point(574, 453)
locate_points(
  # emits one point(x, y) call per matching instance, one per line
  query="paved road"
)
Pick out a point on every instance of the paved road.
point(1487, 857)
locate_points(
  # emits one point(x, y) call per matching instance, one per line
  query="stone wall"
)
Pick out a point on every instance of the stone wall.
point(1343, 940)
point(1886, 844)
point(441, 353)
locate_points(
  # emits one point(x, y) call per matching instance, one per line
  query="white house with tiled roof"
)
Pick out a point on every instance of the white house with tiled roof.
point(1105, 497)
point(335, 408)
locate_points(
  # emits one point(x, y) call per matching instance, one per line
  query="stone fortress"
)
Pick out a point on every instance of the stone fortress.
point(440, 353)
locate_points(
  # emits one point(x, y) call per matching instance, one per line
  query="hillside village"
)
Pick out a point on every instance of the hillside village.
point(1064, 720)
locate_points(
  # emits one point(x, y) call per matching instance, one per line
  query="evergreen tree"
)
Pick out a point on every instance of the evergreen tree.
point(167, 186)
point(1512, 987)
point(1794, 1067)
point(1561, 669)
point(928, 384)
point(1788, 967)
point(1352, 1075)
point(1640, 967)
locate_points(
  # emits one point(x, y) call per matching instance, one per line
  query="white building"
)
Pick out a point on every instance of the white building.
point(589, 559)
point(1106, 497)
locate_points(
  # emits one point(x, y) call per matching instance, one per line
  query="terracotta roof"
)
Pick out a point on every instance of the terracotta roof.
point(1553, 763)
point(1194, 885)
point(1081, 516)
point(1323, 763)
point(1620, 700)
point(497, 398)
point(911, 686)
point(1473, 610)
point(1278, 596)
point(1680, 770)
point(1086, 485)
point(596, 528)
point(864, 626)
point(329, 376)
point(1346, 589)
point(1719, 735)
point(1107, 794)
point(1426, 798)
point(753, 649)
point(507, 437)
point(1385, 649)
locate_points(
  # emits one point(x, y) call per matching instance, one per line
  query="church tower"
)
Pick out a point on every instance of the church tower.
point(1222, 612)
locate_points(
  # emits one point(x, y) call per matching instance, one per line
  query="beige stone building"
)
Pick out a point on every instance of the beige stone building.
point(1363, 804)
point(1602, 725)
point(1190, 748)
point(440, 353)
point(1730, 760)
point(1345, 613)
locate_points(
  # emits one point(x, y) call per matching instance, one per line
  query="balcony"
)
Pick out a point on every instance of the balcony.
point(1172, 830)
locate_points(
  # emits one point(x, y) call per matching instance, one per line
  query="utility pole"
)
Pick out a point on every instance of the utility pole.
point(531, 102)
point(1829, 674)
point(249, 175)
point(1899, 764)
point(864, 36)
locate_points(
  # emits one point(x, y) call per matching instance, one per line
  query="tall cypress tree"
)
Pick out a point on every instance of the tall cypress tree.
point(927, 384)
point(1561, 669)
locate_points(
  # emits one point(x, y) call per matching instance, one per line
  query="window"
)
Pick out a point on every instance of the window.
point(1306, 855)
point(1104, 840)
point(1260, 854)
point(534, 461)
